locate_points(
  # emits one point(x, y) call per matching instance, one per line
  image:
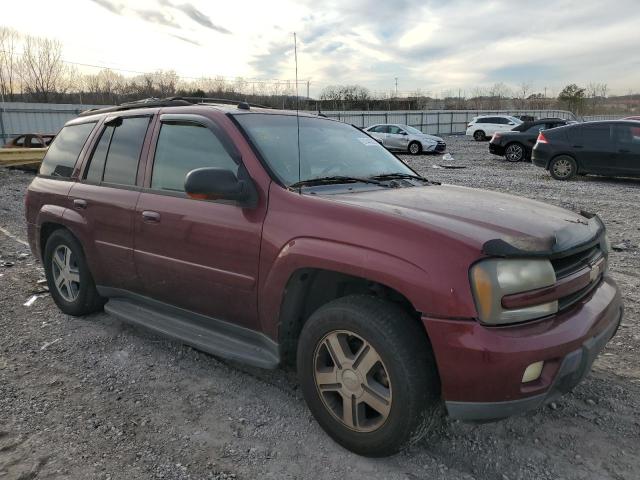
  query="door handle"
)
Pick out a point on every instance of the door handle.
point(150, 217)
point(79, 203)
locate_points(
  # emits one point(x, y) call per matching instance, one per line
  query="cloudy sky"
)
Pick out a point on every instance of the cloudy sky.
point(429, 45)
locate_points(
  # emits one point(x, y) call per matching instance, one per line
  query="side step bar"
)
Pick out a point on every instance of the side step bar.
point(203, 333)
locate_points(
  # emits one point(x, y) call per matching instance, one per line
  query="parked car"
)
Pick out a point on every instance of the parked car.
point(404, 138)
point(483, 127)
point(516, 145)
point(605, 148)
point(31, 140)
point(525, 118)
point(218, 226)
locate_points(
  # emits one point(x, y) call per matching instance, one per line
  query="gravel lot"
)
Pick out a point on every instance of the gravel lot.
point(95, 398)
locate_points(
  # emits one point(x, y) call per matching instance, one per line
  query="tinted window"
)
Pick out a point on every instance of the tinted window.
point(482, 120)
point(96, 166)
point(394, 130)
point(536, 128)
point(624, 134)
point(36, 143)
point(183, 147)
point(63, 152)
point(596, 135)
point(124, 151)
point(19, 141)
point(380, 129)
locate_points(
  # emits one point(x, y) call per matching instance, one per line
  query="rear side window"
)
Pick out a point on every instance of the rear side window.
point(64, 151)
point(596, 135)
point(96, 166)
point(536, 128)
point(183, 147)
point(123, 154)
point(19, 142)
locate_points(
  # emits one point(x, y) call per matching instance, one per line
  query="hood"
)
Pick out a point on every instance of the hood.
point(497, 224)
point(432, 138)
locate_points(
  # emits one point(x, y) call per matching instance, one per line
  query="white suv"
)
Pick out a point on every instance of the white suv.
point(485, 126)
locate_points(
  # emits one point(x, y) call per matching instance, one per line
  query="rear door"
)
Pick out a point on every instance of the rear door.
point(106, 197)
point(627, 143)
point(378, 132)
point(596, 151)
point(199, 255)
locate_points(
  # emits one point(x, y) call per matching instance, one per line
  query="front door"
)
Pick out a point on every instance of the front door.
point(396, 139)
point(196, 254)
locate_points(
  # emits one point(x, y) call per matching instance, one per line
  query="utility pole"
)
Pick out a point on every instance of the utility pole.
point(396, 87)
point(308, 82)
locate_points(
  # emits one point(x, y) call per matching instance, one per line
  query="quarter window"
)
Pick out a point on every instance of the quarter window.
point(183, 147)
point(123, 154)
point(64, 151)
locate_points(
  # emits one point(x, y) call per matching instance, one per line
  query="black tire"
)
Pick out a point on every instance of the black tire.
point(563, 167)
point(405, 352)
point(415, 148)
point(87, 299)
point(515, 152)
point(479, 136)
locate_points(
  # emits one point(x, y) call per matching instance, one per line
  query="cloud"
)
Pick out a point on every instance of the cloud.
point(188, 40)
point(162, 15)
point(197, 16)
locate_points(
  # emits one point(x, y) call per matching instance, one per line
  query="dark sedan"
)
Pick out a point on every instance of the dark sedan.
point(516, 145)
point(604, 148)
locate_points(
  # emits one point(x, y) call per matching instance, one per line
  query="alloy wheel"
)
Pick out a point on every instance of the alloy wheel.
point(514, 153)
point(66, 274)
point(414, 148)
point(562, 168)
point(352, 381)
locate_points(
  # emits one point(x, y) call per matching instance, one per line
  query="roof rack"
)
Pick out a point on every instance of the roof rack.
point(168, 102)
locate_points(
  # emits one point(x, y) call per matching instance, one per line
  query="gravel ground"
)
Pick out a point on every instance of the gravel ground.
point(95, 398)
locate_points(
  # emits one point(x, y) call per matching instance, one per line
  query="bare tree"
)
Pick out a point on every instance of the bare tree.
point(42, 70)
point(8, 62)
point(524, 89)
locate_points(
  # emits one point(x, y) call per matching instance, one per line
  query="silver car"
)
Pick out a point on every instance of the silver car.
point(405, 138)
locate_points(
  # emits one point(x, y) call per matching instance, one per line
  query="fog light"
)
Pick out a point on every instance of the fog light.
point(532, 372)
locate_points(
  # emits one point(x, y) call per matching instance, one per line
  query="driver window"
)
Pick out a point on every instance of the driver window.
point(394, 130)
point(183, 147)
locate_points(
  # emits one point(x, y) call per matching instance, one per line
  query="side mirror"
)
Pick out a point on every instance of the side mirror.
point(217, 184)
point(511, 123)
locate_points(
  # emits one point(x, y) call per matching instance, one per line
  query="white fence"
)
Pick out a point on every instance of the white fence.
point(17, 118)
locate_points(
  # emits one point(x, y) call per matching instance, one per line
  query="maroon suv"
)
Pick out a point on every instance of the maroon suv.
point(272, 239)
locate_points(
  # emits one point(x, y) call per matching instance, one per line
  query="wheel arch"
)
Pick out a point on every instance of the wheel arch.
point(310, 288)
point(566, 154)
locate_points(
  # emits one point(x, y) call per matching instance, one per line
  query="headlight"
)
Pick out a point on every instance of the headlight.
point(492, 279)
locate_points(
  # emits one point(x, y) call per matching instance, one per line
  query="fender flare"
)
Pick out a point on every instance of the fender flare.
point(300, 253)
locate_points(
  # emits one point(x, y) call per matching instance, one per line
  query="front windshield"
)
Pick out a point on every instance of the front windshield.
point(327, 148)
point(409, 129)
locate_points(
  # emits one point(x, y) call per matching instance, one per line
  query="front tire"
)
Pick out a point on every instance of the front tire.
point(514, 152)
point(563, 167)
point(68, 277)
point(415, 148)
point(479, 136)
point(368, 375)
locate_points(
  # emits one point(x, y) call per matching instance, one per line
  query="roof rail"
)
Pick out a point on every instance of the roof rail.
point(168, 102)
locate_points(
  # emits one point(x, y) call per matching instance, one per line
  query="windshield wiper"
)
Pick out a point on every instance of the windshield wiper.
point(334, 180)
point(392, 176)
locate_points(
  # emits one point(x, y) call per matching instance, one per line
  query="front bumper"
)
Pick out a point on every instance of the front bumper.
point(496, 149)
point(481, 368)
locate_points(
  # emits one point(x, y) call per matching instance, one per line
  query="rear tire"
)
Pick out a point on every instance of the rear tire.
point(415, 148)
point(68, 277)
point(479, 136)
point(515, 152)
point(563, 167)
point(368, 375)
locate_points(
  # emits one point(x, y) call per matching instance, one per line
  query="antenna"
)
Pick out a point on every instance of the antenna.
point(295, 53)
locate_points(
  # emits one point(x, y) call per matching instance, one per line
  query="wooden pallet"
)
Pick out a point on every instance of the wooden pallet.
point(11, 157)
